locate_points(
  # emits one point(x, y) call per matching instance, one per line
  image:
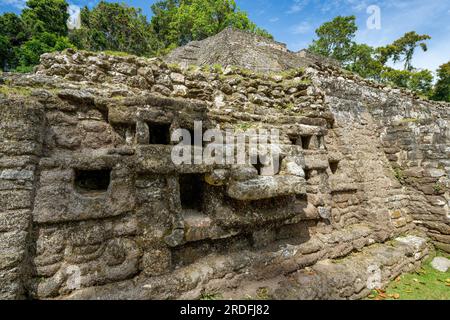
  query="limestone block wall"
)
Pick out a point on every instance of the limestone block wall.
point(414, 136)
point(21, 131)
point(108, 214)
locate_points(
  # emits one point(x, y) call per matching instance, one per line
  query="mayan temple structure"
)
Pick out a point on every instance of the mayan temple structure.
point(92, 205)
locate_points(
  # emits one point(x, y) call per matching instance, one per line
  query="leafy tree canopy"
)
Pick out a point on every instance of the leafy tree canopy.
point(335, 38)
point(117, 27)
point(46, 16)
point(442, 88)
point(176, 22)
point(403, 49)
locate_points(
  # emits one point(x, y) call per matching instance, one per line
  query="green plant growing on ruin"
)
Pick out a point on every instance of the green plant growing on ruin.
point(289, 106)
point(192, 68)
point(217, 68)
point(437, 188)
point(206, 68)
point(243, 126)
point(400, 175)
point(116, 53)
point(210, 296)
point(293, 73)
point(409, 120)
point(20, 91)
point(175, 67)
point(262, 294)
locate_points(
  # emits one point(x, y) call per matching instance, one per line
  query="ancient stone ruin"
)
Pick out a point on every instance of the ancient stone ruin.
point(93, 207)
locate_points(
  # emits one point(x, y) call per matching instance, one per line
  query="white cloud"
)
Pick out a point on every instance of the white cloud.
point(301, 28)
point(436, 55)
point(19, 4)
point(297, 46)
point(273, 20)
point(297, 6)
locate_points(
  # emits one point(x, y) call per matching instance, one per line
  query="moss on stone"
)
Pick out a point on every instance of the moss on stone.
point(116, 53)
point(14, 91)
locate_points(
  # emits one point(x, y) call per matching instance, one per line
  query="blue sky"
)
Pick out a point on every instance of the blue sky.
point(294, 21)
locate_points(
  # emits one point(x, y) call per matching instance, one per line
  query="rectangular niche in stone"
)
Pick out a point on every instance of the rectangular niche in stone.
point(92, 181)
point(191, 191)
point(159, 133)
point(306, 142)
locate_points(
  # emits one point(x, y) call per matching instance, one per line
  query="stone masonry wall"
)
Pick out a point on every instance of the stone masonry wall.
point(413, 134)
point(102, 211)
point(21, 129)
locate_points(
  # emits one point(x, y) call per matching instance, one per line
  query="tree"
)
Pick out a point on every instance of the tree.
point(29, 53)
point(40, 28)
point(403, 49)
point(416, 80)
point(335, 38)
point(362, 62)
point(177, 22)
point(12, 34)
point(116, 27)
point(442, 87)
point(45, 16)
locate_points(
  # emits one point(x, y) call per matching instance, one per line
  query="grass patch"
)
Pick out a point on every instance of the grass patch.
point(116, 53)
point(293, 73)
point(425, 284)
point(14, 91)
point(210, 296)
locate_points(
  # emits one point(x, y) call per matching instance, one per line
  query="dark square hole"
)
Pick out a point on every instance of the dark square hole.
point(294, 140)
point(334, 165)
point(306, 141)
point(308, 174)
point(159, 133)
point(92, 181)
point(191, 191)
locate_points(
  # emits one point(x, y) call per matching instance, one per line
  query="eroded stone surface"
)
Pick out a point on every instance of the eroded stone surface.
point(92, 206)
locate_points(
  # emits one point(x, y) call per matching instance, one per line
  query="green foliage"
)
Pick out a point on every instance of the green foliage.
point(335, 38)
point(424, 284)
point(177, 22)
point(403, 49)
point(115, 27)
point(437, 188)
point(45, 16)
point(400, 175)
point(9, 91)
point(442, 88)
point(210, 296)
point(12, 34)
point(419, 81)
point(362, 62)
point(29, 53)
point(39, 29)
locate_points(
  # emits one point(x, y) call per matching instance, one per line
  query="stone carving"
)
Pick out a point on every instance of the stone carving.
point(92, 206)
